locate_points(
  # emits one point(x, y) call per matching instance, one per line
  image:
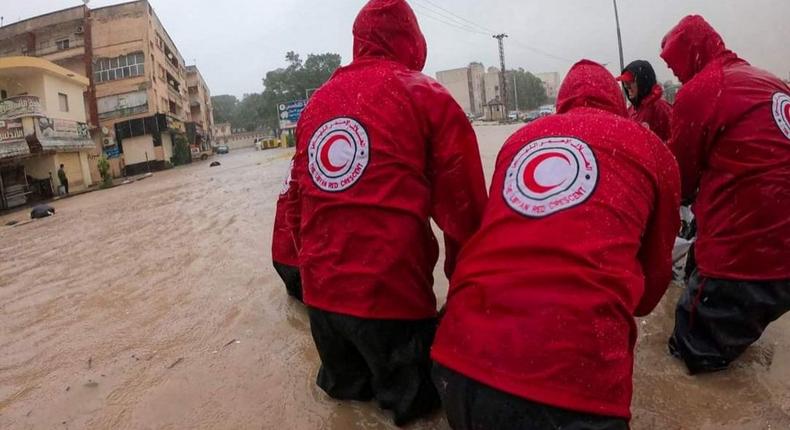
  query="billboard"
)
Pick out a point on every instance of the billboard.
point(21, 106)
point(289, 113)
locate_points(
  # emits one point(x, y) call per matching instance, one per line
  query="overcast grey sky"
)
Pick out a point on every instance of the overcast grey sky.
point(236, 41)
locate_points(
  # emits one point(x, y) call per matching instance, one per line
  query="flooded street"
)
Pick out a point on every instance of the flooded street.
point(154, 306)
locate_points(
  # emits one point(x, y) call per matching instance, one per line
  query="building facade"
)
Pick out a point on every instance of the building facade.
point(551, 81)
point(43, 125)
point(467, 87)
point(201, 123)
point(137, 100)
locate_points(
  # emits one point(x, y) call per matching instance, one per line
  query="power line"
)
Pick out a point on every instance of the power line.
point(447, 17)
point(428, 13)
point(472, 23)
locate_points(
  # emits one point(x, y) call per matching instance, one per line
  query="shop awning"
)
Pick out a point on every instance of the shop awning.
point(13, 148)
point(63, 145)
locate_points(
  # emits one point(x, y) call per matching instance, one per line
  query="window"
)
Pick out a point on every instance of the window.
point(3, 94)
point(62, 44)
point(125, 66)
point(64, 102)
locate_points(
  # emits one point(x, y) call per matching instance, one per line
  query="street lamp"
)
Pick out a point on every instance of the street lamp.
point(619, 35)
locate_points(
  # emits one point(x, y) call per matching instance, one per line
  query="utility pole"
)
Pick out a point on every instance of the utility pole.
point(619, 35)
point(502, 80)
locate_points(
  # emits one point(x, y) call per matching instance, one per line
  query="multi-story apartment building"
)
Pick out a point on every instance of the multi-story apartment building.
point(201, 124)
point(43, 125)
point(137, 98)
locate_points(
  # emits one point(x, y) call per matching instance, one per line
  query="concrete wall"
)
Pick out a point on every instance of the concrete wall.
point(457, 82)
point(54, 86)
point(41, 167)
point(135, 148)
point(73, 166)
point(167, 146)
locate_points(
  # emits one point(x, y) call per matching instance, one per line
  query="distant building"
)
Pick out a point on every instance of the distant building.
point(495, 110)
point(43, 124)
point(551, 81)
point(137, 100)
point(466, 86)
point(201, 111)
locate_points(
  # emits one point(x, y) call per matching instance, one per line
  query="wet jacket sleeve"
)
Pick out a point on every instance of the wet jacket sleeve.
point(285, 239)
point(663, 121)
point(655, 254)
point(458, 193)
point(692, 135)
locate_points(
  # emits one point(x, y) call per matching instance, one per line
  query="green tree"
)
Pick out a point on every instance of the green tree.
point(225, 107)
point(257, 111)
point(292, 82)
point(531, 91)
point(181, 152)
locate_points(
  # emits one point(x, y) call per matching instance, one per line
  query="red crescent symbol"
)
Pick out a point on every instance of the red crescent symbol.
point(787, 112)
point(529, 173)
point(327, 163)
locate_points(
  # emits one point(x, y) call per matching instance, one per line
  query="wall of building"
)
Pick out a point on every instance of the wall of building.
point(53, 87)
point(135, 149)
point(72, 164)
point(41, 167)
point(491, 84)
point(457, 82)
point(167, 146)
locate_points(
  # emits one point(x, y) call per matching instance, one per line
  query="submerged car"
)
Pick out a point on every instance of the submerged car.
point(222, 149)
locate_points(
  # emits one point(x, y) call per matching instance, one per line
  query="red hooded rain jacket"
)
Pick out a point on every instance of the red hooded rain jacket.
point(381, 149)
point(731, 136)
point(576, 240)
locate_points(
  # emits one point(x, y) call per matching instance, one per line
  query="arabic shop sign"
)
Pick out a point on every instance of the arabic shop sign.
point(21, 106)
point(60, 129)
point(11, 130)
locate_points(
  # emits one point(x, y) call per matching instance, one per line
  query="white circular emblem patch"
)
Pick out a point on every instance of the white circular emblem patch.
point(338, 153)
point(781, 112)
point(288, 178)
point(550, 175)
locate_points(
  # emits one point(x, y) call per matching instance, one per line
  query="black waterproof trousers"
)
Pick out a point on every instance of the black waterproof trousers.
point(717, 320)
point(471, 405)
point(385, 360)
point(292, 279)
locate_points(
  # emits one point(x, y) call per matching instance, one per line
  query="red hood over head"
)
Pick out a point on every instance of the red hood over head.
point(691, 46)
point(388, 29)
point(589, 84)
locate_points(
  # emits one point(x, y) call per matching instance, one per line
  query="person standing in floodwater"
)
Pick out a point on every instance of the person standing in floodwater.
point(576, 240)
point(731, 137)
point(381, 149)
point(64, 180)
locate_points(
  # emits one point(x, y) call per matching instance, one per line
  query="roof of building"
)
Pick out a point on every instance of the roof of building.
point(26, 64)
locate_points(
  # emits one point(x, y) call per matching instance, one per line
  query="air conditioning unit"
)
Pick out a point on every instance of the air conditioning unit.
point(80, 30)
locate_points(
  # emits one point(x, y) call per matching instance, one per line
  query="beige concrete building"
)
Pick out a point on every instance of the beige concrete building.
point(467, 86)
point(137, 99)
point(551, 81)
point(43, 124)
point(201, 123)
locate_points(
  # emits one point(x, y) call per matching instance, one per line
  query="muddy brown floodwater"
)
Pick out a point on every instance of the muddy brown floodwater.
point(154, 306)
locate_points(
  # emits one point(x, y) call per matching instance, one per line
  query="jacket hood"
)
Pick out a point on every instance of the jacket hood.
point(691, 46)
point(388, 29)
point(645, 77)
point(589, 84)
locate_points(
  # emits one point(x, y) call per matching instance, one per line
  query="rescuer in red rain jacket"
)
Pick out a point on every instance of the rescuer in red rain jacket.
point(731, 137)
point(648, 106)
point(284, 241)
point(381, 149)
point(576, 240)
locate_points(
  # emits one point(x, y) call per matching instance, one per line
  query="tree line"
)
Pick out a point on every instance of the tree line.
point(258, 111)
